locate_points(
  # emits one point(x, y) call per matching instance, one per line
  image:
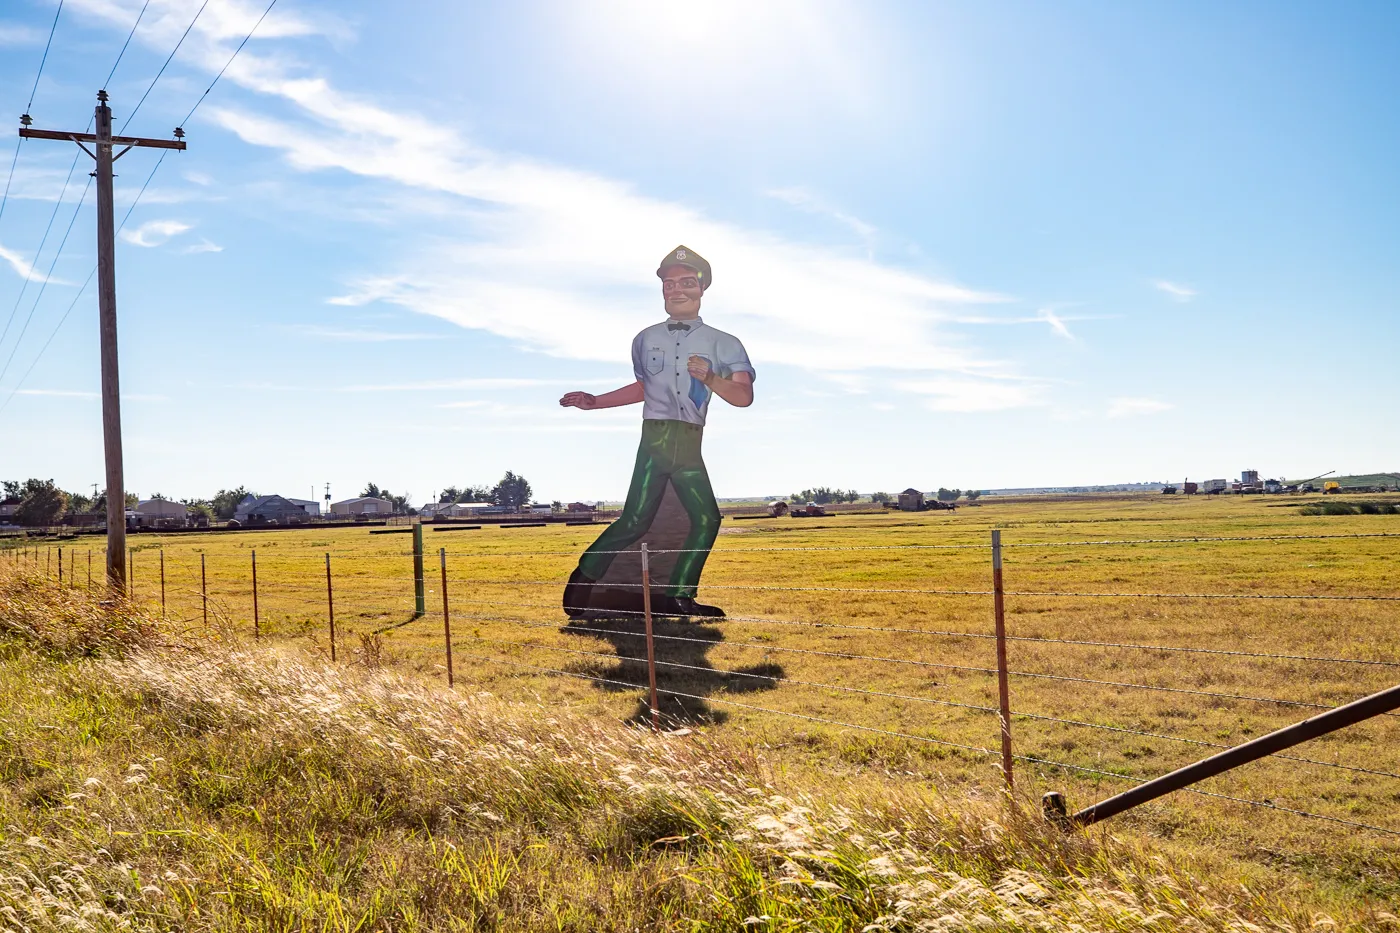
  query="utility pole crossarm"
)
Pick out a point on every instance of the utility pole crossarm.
point(30, 133)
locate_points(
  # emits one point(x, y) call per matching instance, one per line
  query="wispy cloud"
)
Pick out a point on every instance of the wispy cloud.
point(25, 269)
point(1176, 290)
point(77, 393)
point(203, 246)
point(804, 200)
point(154, 232)
point(953, 394)
point(1131, 407)
point(357, 335)
point(15, 34)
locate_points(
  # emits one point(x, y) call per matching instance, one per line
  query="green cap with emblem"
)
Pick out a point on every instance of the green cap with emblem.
point(685, 256)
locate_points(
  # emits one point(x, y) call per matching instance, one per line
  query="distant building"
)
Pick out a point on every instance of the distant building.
point(312, 507)
point(1214, 486)
point(8, 507)
point(911, 500)
point(434, 510)
point(161, 513)
point(362, 505)
point(269, 510)
point(1249, 478)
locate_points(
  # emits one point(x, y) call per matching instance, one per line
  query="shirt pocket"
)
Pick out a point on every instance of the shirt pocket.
point(656, 361)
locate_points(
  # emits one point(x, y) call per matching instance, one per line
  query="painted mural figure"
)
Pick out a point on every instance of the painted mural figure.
point(680, 363)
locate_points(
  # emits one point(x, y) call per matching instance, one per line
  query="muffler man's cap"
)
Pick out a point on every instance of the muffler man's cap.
point(684, 256)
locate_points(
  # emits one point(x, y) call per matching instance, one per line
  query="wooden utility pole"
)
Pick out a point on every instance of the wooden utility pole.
point(103, 141)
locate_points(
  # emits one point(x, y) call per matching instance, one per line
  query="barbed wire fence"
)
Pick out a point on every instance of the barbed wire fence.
point(520, 648)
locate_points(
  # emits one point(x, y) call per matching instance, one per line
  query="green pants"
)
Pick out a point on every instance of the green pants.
point(670, 451)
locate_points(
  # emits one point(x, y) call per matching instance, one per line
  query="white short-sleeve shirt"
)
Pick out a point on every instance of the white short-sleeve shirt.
point(660, 357)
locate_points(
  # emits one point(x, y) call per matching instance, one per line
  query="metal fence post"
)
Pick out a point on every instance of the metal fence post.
point(418, 602)
point(257, 623)
point(89, 570)
point(162, 582)
point(131, 572)
point(204, 590)
point(1003, 690)
point(446, 619)
point(60, 565)
point(330, 605)
point(651, 642)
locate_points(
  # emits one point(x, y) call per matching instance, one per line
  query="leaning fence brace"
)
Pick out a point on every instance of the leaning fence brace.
point(1365, 708)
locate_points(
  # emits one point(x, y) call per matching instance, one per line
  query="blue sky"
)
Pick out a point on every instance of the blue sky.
point(973, 245)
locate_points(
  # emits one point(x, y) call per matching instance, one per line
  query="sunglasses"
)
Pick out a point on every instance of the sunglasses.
point(670, 285)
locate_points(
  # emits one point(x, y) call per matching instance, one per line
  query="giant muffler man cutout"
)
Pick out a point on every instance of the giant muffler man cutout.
point(680, 363)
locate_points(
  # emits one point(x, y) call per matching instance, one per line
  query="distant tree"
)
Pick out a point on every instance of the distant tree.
point(157, 495)
point(852, 495)
point(880, 498)
point(12, 489)
point(41, 503)
point(77, 502)
point(512, 491)
point(466, 494)
point(372, 491)
point(972, 494)
point(556, 506)
point(948, 495)
point(450, 494)
point(401, 504)
point(200, 507)
point(225, 502)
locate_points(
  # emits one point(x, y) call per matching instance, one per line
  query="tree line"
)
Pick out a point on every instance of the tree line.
point(824, 495)
point(40, 502)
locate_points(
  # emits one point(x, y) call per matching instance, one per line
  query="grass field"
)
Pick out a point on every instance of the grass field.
point(505, 585)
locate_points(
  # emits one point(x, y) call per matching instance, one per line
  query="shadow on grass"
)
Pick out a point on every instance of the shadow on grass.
point(683, 667)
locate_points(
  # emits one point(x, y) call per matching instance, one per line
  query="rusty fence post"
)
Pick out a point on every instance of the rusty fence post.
point(1003, 690)
point(60, 565)
point(257, 623)
point(204, 589)
point(446, 619)
point(162, 581)
point(330, 605)
point(89, 570)
point(651, 641)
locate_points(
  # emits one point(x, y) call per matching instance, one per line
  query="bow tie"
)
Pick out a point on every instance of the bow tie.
point(677, 325)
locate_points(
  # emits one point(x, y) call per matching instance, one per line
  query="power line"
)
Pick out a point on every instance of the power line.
point(23, 288)
point(163, 67)
point(37, 298)
point(4, 199)
point(108, 82)
point(229, 62)
point(45, 58)
point(74, 302)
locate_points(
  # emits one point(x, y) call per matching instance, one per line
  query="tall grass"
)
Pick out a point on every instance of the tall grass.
point(239, 788)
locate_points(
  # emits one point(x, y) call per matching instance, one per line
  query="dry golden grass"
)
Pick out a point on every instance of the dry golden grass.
point(227, 788)
point(499, 617)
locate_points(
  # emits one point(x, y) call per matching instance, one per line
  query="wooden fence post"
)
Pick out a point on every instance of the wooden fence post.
point(131, 572)
point(60, 565)
point(204, 589)
point(330, 604)
point(162, 581)
point(446, 619)
point(419, 607)
point(651, 642)
point(257, 623)
point(89, 570)
point(1003, 690)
